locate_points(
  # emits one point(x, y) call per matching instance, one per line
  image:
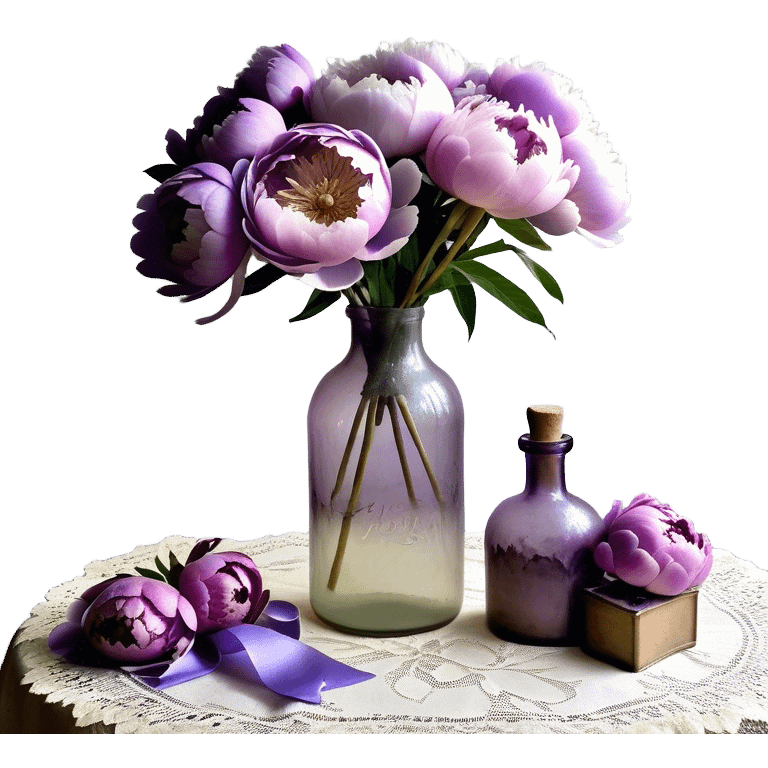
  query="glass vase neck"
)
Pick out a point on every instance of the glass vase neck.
point(373, 327)
point(545, 465)
point(390, 340)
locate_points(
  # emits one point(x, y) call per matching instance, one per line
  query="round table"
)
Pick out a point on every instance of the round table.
point(457, 679)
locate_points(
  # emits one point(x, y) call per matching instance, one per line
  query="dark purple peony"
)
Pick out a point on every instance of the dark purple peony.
point(232, 127)
point(190, 232)
point(279, 75)
point(224, 589)
point(136, 620)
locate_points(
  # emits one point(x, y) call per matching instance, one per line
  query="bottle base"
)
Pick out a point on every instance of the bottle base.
point(504, 633)
point(387, 617)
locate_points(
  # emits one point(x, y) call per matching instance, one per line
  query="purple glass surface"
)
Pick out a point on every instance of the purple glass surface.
point(538, 553)
point(387, 526)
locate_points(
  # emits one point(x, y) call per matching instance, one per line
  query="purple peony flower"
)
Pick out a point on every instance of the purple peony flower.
point(279, 75)
point(394, 98)
point(135, 620)
point(648, 545)
point(448, 63)
point(503, 160)
point(246, 133)
point(597, 203)
point(543, 92)
point(231, 128)
point(190, 231)
point(473, 83)
point(323, 200)
point(224, 589)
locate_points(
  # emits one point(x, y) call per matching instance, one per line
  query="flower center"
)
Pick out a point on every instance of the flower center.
point(528, 143)
point(323, 186)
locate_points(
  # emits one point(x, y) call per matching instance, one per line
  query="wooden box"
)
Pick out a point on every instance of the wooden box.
point(633, 629)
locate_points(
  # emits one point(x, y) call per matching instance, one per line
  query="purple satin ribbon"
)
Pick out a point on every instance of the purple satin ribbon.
point(268, 652)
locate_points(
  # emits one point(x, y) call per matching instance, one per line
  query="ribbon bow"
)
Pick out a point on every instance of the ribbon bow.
point(268, 652)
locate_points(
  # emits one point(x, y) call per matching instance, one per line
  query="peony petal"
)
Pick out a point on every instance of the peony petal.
point(672, 580)
point(335, 278)
point(560, 220)
point(636, 567)
point(238, 284)
point(392, 236)
point(604, 557)
point(406, 182)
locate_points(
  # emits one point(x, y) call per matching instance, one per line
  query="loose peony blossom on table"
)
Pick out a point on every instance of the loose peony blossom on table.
point(224, 589)
point(649, 545)
point(135, 620)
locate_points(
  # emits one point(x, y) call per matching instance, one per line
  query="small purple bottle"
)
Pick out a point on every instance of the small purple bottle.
point(538, 545)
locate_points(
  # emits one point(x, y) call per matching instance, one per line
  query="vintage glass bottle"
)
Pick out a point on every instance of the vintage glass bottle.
point(386, 430)
point(538, 552)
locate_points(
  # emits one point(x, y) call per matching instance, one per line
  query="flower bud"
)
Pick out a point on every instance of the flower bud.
point(136, 620)
point(224, 589)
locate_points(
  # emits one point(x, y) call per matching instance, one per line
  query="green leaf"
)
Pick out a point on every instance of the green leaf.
point(541, 274)
point(523, 231)
point(463, 295)
point(261, 278)
point(149, 574)
point(502, 289)
point(175, 570)
point(162, 172)
point(380, 279)
point(160, 567)
point(408, 256)
point(486, 250)
point(318, 301)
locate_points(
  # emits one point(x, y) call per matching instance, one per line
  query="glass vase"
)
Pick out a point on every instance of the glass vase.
point(538, 553)
point(386, 470)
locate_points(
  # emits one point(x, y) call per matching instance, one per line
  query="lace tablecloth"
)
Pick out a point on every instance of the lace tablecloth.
point(458, 679)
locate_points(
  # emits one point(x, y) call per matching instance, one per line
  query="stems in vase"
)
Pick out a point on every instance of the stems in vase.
point(398, 435)
point(346, 522)
point(348, 449)
point(409, 422)
point(372, 404)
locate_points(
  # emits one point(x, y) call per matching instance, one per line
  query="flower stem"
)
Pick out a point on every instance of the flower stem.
point(472, 219)
point(411, 424)
point(397, 432)
point(348, 449)
point(453, 221)
point(352, 296)
point(346, 522)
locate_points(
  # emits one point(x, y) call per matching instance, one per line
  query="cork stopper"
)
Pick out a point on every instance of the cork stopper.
point(545, 422)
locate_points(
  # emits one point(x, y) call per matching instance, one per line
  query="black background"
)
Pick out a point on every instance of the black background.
point(134, 424)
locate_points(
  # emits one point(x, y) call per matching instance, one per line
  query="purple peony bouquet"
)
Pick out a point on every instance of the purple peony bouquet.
point(376, 179)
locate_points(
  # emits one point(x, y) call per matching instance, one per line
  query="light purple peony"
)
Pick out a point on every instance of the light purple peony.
point(323, 200)
point(449, 63)
point(279, 75)
point(596, 206)
point(224, 588)
point(503, 160)
point(135, 620)
point(391, 96)
point(543, 92)
point(190, 231)
point(649, 545)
